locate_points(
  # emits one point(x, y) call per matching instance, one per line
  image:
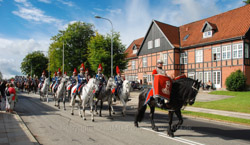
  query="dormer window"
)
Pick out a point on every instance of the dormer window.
point(134, 49)
point(208, 29)
point(207, 34)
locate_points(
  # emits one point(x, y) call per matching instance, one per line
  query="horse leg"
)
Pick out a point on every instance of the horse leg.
point(83, 109)
point(80, 107)
point(72, 105)
point(96, 103)
point(101, 109)
point(152, 112)
point(170, 116)
point(124, 107)
point(59, 99)
point(64, 102)
point(91, 109)
point(177, 126)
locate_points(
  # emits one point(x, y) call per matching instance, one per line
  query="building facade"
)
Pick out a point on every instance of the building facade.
point(208, 49)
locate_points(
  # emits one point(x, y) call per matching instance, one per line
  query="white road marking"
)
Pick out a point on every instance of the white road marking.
point(182, 140)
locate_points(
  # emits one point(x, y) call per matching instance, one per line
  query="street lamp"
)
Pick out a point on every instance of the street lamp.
point(98, 17)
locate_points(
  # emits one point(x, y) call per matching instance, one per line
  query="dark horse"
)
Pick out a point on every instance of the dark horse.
point(183, 92)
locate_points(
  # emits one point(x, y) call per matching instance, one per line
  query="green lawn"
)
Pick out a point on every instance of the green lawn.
point(239, 103)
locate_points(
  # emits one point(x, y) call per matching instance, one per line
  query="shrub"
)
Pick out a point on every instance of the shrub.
point(236, 81)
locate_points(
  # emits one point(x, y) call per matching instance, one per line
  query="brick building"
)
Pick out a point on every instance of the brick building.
point(208, 49)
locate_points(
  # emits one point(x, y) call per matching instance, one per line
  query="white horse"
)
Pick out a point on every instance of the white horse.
point(105, 94)
point(86, 98)
point(123, 95)
point(61, 92)
point(44, 89)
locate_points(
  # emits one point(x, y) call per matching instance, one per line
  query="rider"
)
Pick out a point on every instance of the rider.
point(81, 80)
point(54, 79)
point(160, 71)
point(58, 79)
point(118, 81)
point(42, 79)
point(87, 75)
point(100, 77)
point(73, 77)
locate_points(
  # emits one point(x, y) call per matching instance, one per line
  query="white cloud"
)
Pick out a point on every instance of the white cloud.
point(68, 3)
point(45, 1)
point(13, 52)
point(30, 13)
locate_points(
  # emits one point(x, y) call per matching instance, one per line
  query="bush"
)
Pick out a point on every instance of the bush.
point(236, 81)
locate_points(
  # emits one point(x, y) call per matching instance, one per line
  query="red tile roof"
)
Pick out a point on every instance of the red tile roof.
point(171, 32)
point(230, 24)
point(129, 50)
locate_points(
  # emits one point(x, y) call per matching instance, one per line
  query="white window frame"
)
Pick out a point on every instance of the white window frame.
point(226, 52)
point(217, 79)
point(199, 76)
point(183, 58)
point(144, 62)
point(150, 44)
point(237, 50)
point(165, 59)
point(133, 65)
point(191, 75)
point(216, 53)
point(149, 78)
point(207, 77)
point(157, 42)
point(207, 34)
point(199, 56)
point(246, 50)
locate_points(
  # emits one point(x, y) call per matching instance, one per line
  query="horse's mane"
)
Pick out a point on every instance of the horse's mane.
point(182, 89)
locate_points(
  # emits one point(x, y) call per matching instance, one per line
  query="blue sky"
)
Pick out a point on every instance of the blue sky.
point(28, 25)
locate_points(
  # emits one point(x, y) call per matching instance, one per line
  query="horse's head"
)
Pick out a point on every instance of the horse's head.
point(93, 83)
point(195, 90)
point(126, 85)
point(111, 83)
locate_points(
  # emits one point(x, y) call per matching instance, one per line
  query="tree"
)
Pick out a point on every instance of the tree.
point(1, 75)
point(236, 81)
point(246, 2)
point(100, 53)
point(75, 39)
point(34, 63)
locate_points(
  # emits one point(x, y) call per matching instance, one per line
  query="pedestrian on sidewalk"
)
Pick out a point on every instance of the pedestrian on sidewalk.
point(12, 98)
point(7, 94)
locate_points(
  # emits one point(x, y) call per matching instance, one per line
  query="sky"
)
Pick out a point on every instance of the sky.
point(28, 25)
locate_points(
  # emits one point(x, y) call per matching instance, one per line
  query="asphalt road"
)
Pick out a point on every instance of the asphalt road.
point(50, 126)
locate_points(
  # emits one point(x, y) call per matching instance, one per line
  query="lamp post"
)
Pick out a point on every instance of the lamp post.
point(98, 17)
point(63, 57)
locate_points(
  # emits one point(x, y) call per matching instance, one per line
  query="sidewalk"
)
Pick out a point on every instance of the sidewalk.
point(201, 97)
point(13, 131)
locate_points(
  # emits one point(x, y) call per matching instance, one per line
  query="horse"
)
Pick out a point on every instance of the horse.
point(183, 92)
point(44, 89)
point(123, 95)
point(61, 92)
point(87, 98)
point(105, 94)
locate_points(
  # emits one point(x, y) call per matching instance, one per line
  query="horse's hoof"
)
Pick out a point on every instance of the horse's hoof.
point(65, 109)
point(113, 113)
point(155, 129)
point(84, 118)
point(93, 120)
point(136, 124)
point(72, 113)
point(170, 133)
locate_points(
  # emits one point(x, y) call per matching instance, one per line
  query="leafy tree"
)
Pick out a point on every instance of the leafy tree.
point(1, 75)
point(100, 53)
point(34, 63)
point(74, 39)
point(236, 81)
point(246, 2)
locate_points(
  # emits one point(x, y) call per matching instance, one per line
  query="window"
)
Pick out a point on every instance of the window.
point(226, 52)
point(207, 77)
point(191, 75)
point(216, 53)
point(134, 50)
point(133, 64)
point(186, 37)
point(246, 50)
point(144, 62)
point(199, 76)
point(237, 50)
point(150, 44)
point(165, 59)
point(157, 42)
point(149, 78)
point(183, 58)
point(217, 78)
point(199, 55)
point(207, 34)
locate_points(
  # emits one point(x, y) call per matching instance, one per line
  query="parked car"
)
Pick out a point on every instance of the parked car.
point(135, 85)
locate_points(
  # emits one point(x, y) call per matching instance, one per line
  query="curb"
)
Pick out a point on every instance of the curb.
point(26, 129)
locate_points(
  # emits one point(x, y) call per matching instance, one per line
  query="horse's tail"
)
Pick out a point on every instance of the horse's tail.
point(141, 107)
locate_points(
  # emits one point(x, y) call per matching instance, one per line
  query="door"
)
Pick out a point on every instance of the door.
point(217, 79)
